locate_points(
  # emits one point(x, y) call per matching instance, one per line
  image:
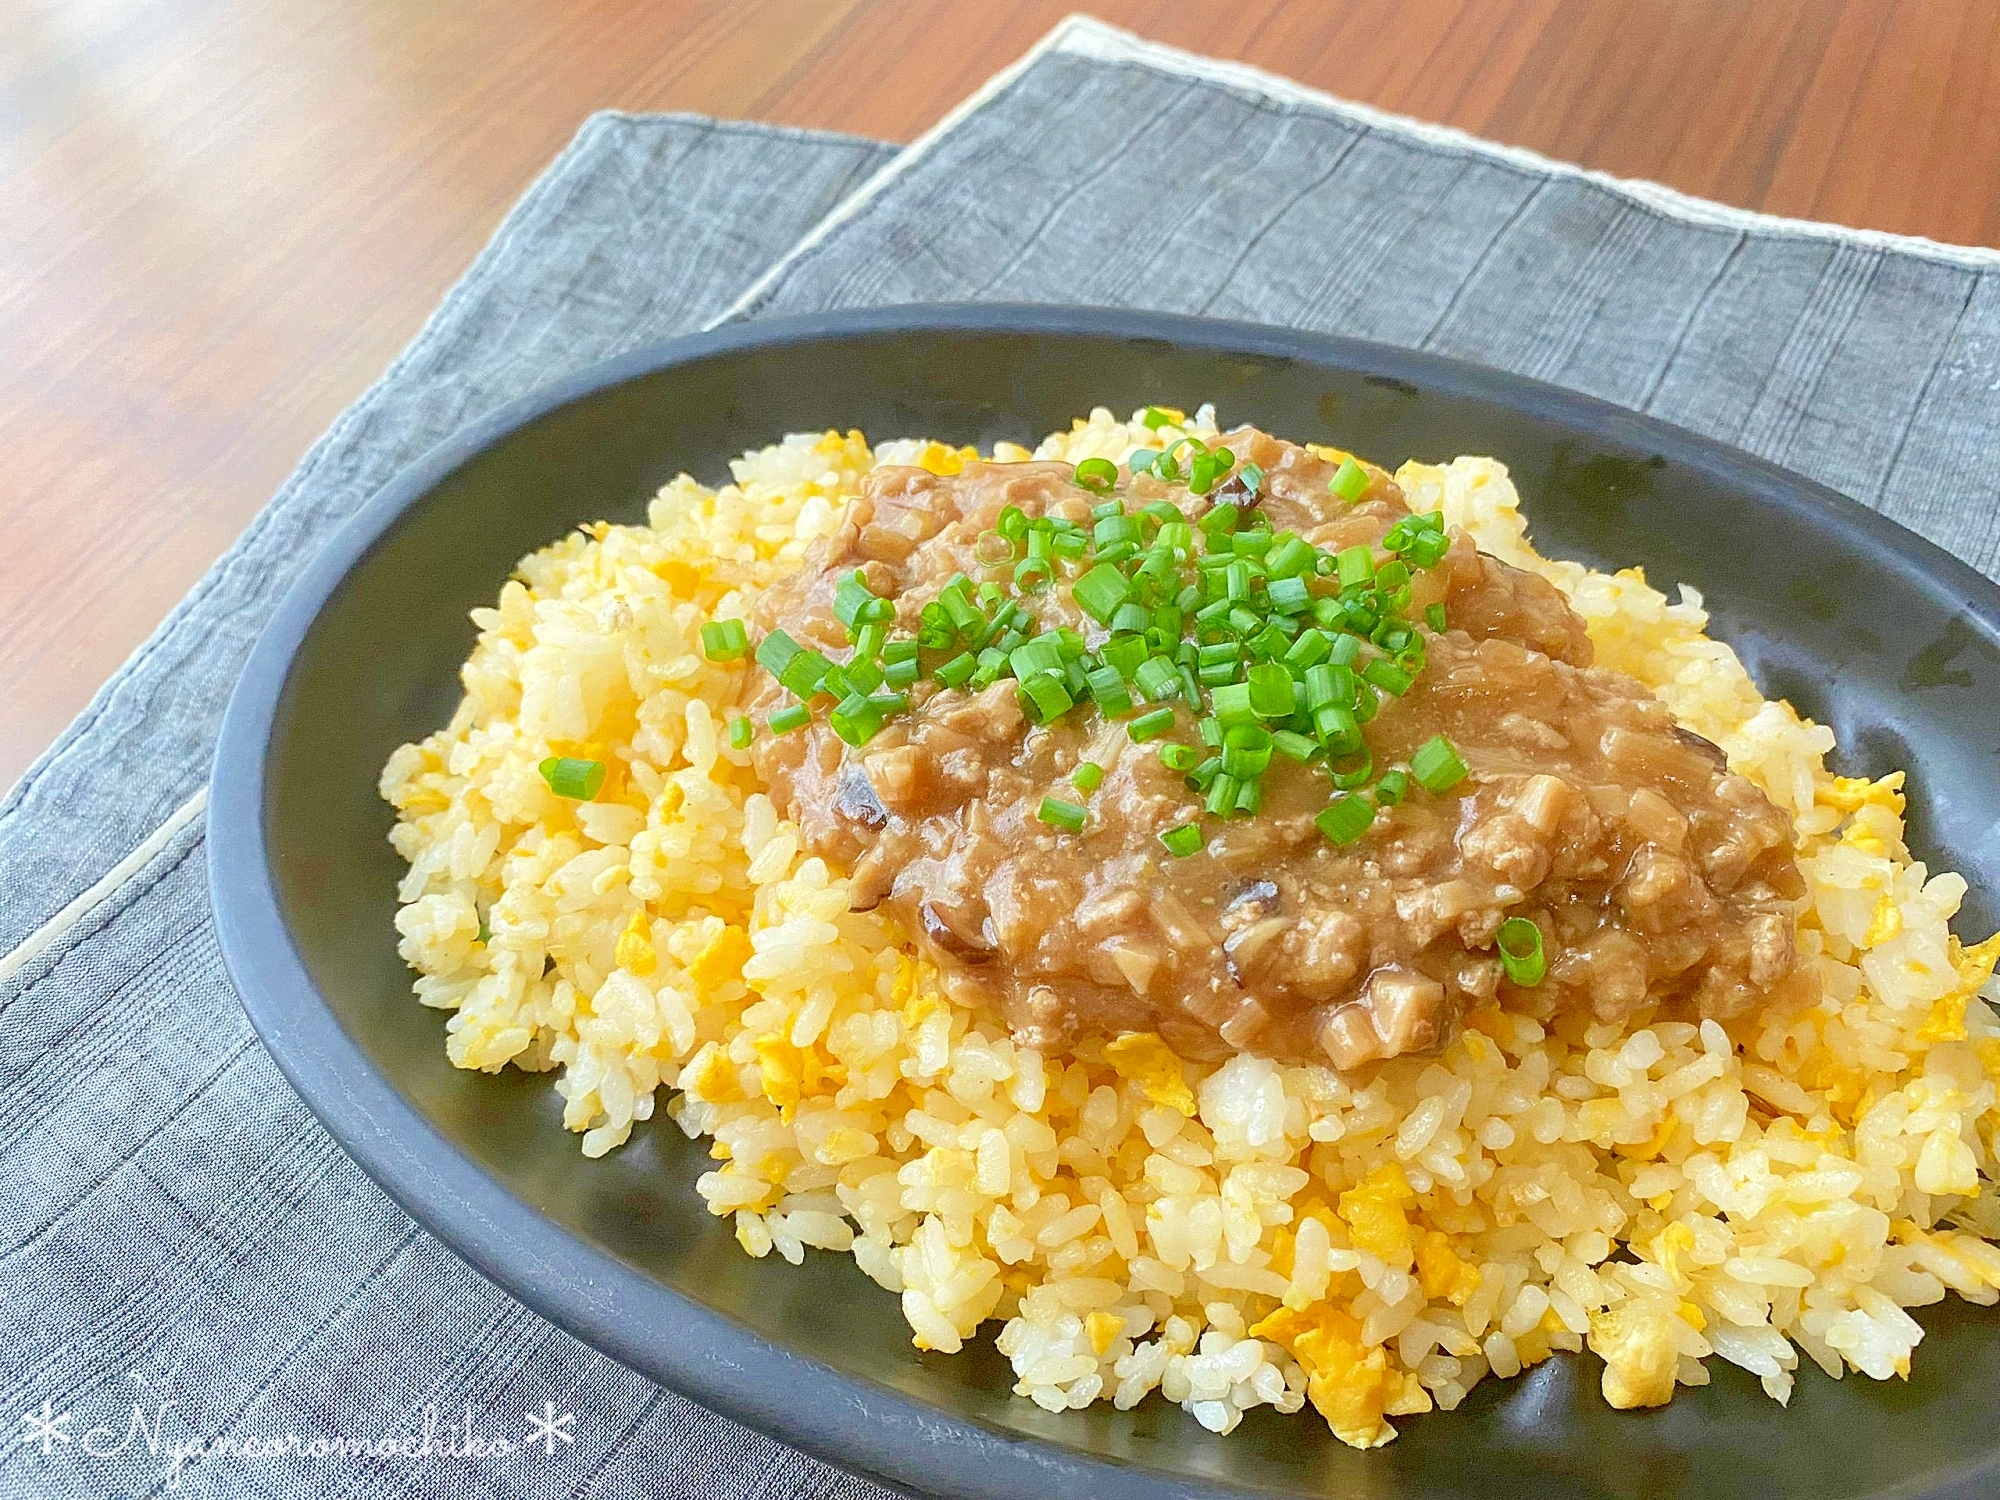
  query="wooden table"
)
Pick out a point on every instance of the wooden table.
point(220, 219)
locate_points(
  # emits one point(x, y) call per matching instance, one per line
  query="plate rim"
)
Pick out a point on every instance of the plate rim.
point(845, 1419)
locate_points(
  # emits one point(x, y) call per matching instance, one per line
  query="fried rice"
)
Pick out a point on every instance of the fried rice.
point(1233, 1235)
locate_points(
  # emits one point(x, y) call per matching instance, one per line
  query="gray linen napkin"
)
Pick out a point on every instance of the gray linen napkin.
point(176, 1227)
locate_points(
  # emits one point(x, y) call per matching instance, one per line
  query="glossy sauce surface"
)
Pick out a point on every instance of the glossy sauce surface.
point(1654, 874)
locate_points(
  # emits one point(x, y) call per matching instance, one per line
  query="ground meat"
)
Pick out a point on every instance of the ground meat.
point(1656, 876)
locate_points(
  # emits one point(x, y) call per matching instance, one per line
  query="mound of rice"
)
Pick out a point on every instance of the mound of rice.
point(1232, 1236)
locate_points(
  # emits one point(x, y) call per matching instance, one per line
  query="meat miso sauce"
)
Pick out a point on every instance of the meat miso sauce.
point(1292, 772)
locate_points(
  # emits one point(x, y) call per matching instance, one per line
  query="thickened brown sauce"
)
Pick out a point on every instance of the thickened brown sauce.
point(1655, 874)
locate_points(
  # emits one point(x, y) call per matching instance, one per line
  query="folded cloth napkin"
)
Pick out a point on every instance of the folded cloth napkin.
point(179, 1231)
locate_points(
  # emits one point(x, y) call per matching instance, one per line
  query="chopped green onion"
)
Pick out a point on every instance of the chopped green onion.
point(785, 720)
point(1012, 523)
point(1155, 419)
point(1220, 520)
point(1349, 482)
point(1182, 841)
point(1150, 726)
point(1434, 617)
point(1126, 653)
point(1356, 565)
point(804, 673)
point(1157, 679)
point(1338, 728)
point(1250, 798)
point(1311, 648)
point(1108, 689)
point(1033, 575)
point(1391, 789)
point(724, 640)
point(1252, 477)
point(1100, 591)
point(1437, 765)
point(856, 719)
point(1345, 819)
point(1387, 676)
point(1428, 550)
point(1087, 777)
point(1289, 595)
point(1520, 944)
point(775, 653)
point(1246, 752)
point(1097, 475)
point(1045, 696)
point(1356, 775)
point(850, 595)
point(1293, 746)
point(869, 639)
point(954, 672)
point(741, 732)
point(1064, 815)
point(1142, 460)
point(1041, 654)
point(1231, 705)
point(1221, 800)
point(1271, 692)
point(1178, 757)
point(576, 780)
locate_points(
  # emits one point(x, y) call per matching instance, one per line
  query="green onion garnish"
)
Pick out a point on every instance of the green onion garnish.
point(1101, 591)
point(1182, 841)
point(1064, 815)
point(1157, 679)
point(1097, 475)
point(1351, 778)
point(577, 780)
point(1178, 757)
point(1150, 726)
point(1345, 819)
point(1155, 419)
point(1434, 617)
point(1087, 777)
point(1356, 566)
point(856, 719)
point(1045, 696)
point(1520, 944)
point(785, 720)
point(724, 640)
point(1349, 482)
point(1437, 765)
point(741, 732)
point(1387, 676)
point(1391, 789)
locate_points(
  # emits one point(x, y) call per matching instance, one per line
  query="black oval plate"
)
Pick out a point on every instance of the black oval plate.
point(1861, 624)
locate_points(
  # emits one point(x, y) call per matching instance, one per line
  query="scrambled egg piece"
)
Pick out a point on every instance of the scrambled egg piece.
point(1640, 1354)
point(1440, 1271)
point(1148, 1062)
point(1102, 1328)
point(1354, 1388)
point(720, 959)
point(791, 1074)
point(1850, 794)
point(1373, 1212)
point(635, 953)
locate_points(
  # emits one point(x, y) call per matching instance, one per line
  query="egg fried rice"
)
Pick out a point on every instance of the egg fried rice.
point(1374, 1243)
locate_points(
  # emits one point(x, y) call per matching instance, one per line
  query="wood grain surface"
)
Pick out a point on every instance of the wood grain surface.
point(220, 219)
